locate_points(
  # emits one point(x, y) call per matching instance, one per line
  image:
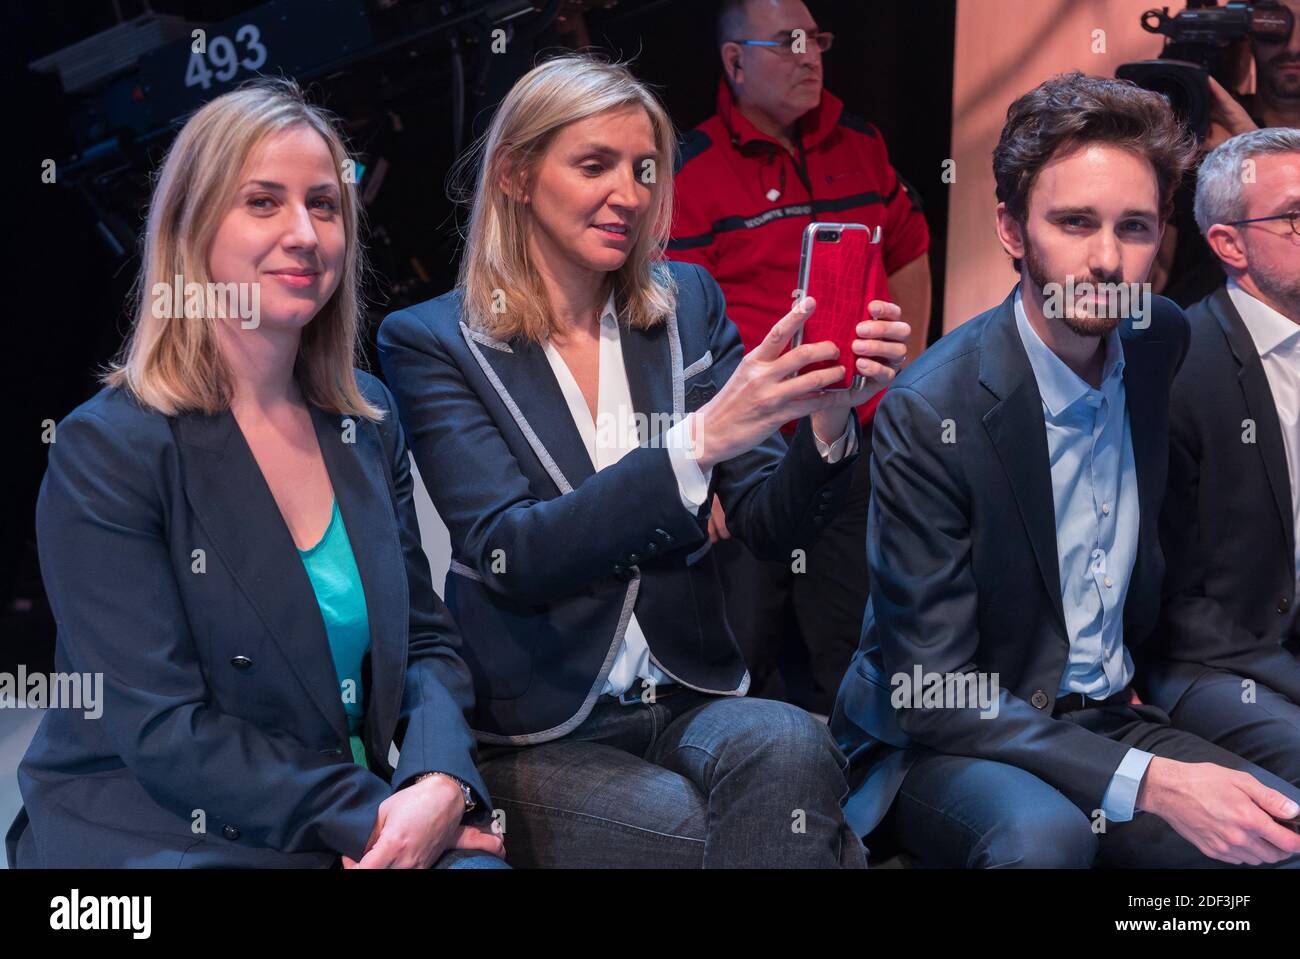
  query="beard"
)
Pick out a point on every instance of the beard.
point(1282, 287)
point(1077, 324)
point(1278, 85)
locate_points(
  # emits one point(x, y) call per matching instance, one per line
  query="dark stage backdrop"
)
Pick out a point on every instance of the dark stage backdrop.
point(892, 63)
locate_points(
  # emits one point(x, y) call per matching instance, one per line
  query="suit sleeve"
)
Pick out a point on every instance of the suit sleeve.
point(777, 498)
point(433, 731)
point(112, 583)
point(926, 603)
point(522, 546)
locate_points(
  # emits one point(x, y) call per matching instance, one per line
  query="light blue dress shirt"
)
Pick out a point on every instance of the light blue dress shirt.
point(1095, 496)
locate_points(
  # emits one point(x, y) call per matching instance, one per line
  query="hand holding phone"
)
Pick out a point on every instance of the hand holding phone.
point(841, 268)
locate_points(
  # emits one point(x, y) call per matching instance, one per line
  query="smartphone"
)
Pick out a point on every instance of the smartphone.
point(841, 268)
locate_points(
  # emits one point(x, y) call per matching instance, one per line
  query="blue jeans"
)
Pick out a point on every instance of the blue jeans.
point(459, 859)
point(469, 859)
point(688, 781)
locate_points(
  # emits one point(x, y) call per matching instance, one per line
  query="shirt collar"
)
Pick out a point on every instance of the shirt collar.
point(1268, 328)
point(1058, 385)
point(610, 309)
point(814, 126)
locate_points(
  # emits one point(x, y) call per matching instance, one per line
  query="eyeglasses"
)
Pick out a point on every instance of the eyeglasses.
point(785, 45)
point(1293, 216)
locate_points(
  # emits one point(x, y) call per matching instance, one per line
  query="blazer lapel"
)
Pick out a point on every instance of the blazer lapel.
point(234, 504)
point(1145, 392)
point(1261, 407)
point(1016, 428)
point(653, 375)
point(361, 487)
point(522, 376)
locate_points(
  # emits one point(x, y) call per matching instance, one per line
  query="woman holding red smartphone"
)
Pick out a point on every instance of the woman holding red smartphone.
point(572, 406)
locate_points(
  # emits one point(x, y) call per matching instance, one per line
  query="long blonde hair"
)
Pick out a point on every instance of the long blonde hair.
point(552, 95)
point(173, 363)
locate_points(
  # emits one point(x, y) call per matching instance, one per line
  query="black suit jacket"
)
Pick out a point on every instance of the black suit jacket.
point(961, 543)
point(1227, 527)
point(550, 557)
point(219, 693)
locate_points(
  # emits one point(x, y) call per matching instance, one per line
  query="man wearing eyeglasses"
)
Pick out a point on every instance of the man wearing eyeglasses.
point(1229, 636)
point(780, 153)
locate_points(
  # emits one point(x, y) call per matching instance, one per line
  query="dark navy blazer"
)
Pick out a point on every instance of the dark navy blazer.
point(961, 543)
point(1228, 529)
point(550, 557)
point(219, 693)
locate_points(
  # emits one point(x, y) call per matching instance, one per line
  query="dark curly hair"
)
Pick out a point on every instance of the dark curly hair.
point(1072, 109)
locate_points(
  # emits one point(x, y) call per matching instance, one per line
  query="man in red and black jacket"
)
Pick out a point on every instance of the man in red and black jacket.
point(779, 154)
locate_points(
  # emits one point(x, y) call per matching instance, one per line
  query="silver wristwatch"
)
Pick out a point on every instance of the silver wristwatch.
point(470, 804)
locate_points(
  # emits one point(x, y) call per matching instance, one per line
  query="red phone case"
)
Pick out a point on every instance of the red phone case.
point(841, 268)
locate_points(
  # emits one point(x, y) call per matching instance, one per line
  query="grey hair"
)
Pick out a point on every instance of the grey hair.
point(1219, 180)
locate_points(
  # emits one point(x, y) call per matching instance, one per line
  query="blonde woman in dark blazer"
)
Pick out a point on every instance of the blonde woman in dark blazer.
point(227, 536)
point(572, 405)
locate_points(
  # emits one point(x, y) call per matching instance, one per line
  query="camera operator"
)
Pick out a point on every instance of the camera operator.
point(1187, 270)
point(1276, 102)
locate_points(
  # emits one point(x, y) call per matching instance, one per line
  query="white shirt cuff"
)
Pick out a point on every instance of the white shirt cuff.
point(692, 482)
point(842, 447)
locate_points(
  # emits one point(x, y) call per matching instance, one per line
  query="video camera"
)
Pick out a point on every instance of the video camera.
point(1196, 41)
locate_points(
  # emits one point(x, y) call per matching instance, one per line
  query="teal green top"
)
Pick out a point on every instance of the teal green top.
point(333, 572)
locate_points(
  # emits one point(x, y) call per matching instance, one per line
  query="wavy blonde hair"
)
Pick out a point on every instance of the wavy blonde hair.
point(552, 95)
point(174, 364)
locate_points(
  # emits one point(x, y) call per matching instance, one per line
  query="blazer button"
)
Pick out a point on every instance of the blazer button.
point(1039, 699)
point(1283, 605)
point(230, 832)
point(241, 662)
point(819, 520)
point(651, 548)
point(633, 558)
point(827, 494)
point(622, 573)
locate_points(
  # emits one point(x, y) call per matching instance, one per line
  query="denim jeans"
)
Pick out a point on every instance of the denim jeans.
point(469, 859)
point(688, 781)
point(458, 859)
